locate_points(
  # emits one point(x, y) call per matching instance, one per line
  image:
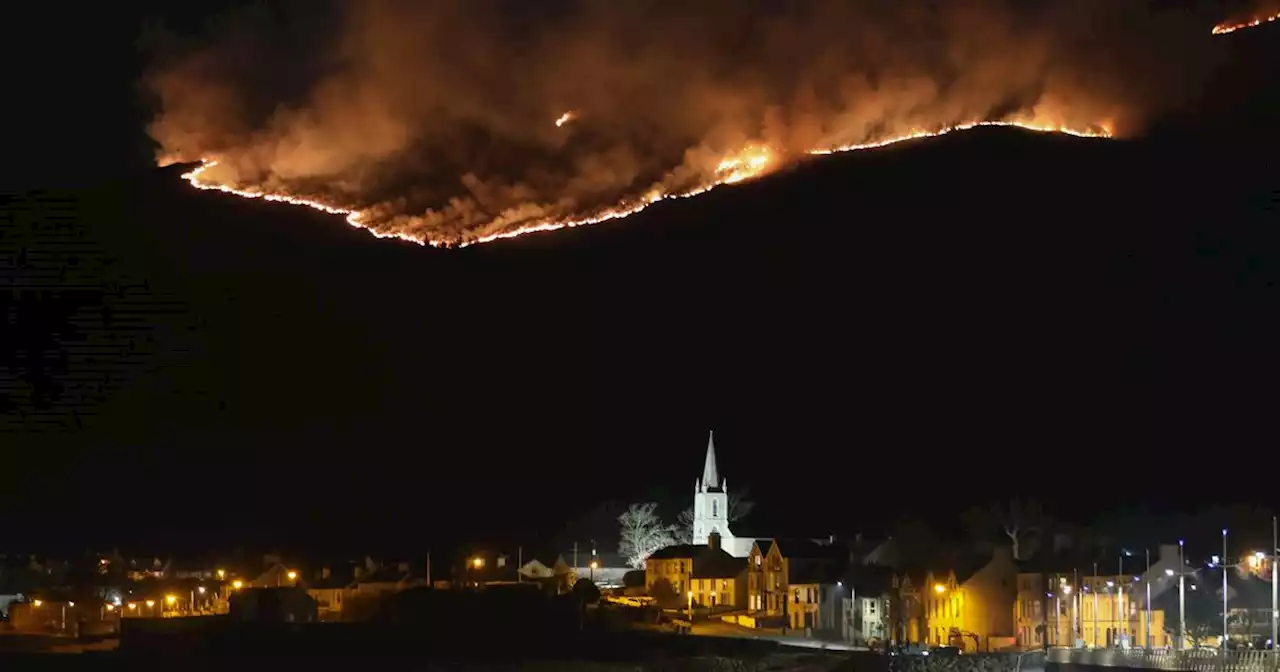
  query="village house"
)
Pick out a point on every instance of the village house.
point(969, 605)
point(786, 578)
point(708, 575)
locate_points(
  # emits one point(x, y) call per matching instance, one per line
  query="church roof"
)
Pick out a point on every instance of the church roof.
point(710, 477)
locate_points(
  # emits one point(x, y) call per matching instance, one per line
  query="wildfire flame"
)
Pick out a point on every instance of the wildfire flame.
point(744, 165)
point(1227, 27)
point(748, 163)
point(564, 119)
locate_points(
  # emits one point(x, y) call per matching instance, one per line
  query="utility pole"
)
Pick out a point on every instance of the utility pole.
point(1044, 615)
point(1182, 601)
point(429, 584)
point(519, 563)
point(1094, 589)
point(1122, 620)
point(1225, 636)
point(575, 556)
point(1147, 615)
point(1275, 608)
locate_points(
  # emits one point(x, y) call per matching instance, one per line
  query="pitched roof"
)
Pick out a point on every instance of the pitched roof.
point(387, 574)
point(870, 580)
point(716, 563)
point(808, 570)
point(765, 545)
point(802, 548)
point(676, 552)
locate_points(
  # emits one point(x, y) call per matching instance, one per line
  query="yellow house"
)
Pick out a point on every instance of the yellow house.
point(667, 571)
point(704, 576)
point(969, 606)
point(785, 577)
point(1096, 613)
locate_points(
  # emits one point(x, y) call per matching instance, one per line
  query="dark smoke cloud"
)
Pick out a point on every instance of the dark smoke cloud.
point(436, 116)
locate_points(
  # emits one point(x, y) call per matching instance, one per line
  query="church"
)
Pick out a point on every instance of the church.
point(711, 508)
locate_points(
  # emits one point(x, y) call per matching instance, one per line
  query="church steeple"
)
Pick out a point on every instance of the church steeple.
point(710, 479)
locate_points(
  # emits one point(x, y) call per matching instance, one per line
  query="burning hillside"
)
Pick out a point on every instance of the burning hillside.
point(450, 125)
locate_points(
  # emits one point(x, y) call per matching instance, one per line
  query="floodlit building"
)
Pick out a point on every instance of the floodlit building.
point(711, 508)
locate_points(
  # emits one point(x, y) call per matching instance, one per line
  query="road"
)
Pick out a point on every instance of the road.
point(717, 628)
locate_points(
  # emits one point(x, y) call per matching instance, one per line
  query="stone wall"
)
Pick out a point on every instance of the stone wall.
point(1195, 660)
point(975, 662)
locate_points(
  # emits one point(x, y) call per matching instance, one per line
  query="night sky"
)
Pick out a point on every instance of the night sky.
point(982, 316)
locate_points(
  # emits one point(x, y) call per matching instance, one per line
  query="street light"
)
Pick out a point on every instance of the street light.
point(939, 588)
point(293, 576)
point(237, 584)
point(222, 574)
point(594, 564)
point(1255, 561)
point(37, 603)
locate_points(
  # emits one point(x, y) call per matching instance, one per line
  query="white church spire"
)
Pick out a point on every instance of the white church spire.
point(710, 479)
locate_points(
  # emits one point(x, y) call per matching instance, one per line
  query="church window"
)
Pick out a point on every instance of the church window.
point(713, 509)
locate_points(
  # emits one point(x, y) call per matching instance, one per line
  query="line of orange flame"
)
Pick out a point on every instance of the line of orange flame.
point(1227, 28)
point(744, 165)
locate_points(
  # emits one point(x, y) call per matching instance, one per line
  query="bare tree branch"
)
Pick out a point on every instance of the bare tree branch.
point(642, 533)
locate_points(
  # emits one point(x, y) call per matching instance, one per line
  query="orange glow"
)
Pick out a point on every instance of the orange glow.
point(744, 165)
point(1228, 27)
point(750, 162)
point(564, 119)
point(939, 588)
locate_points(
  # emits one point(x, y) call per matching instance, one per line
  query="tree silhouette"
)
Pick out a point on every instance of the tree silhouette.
point(643, 532)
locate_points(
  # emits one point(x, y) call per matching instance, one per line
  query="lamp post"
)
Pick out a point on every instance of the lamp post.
point(1095, 607)
point(1182, 598)
point(1255, 561)
point(1147, 615)
point(1066, 590)
point(1224, 591)
point(594, 564)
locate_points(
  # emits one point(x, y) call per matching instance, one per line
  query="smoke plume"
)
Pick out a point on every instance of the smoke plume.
point(447, 122)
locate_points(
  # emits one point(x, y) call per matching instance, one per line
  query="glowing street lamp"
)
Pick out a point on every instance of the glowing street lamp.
point(477, 562)
point(237, 584)
point(293, 576)
point(222, 574)
point(594, 564)
point(939, 588)
point(37, 603)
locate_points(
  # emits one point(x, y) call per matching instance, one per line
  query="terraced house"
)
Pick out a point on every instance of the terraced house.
point(969, 605)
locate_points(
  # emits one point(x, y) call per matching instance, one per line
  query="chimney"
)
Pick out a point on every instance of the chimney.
point(713, 541)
